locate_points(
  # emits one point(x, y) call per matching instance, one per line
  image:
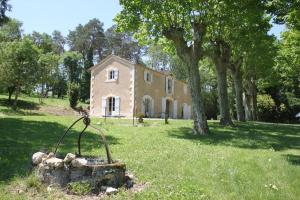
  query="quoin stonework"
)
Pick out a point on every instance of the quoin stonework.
point(121, 88)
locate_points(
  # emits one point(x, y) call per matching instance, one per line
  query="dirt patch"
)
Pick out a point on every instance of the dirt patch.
point(58, 111)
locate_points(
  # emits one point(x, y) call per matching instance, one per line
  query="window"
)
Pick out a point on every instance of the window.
point(111, 104)
point(147, 76)
point(169, 85)
point(111, 75)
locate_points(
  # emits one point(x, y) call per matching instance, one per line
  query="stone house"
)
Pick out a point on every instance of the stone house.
point(120, 88)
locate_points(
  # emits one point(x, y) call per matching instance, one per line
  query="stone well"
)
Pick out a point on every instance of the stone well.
point(55, 171)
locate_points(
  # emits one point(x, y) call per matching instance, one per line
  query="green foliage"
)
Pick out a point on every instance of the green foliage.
point(122, 44)
point(11, 31)
point(80, 188)
point(266, 108)
point(72, 63)
point(33, 182)
point(19, 64)
point(73, 90)
point(4, 7)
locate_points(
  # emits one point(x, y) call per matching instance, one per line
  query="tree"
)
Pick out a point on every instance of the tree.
point(89, 40)
point(19, 65)
point(9, 32)
point(122, 44)
point(49, 64)
point(58, 42)
point(184, 23)
point(72, 62)
point(4, 7)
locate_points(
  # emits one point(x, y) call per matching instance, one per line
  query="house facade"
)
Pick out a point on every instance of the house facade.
point(120, 88)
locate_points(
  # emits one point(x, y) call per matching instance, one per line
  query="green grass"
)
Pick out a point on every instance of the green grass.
point(243, 162)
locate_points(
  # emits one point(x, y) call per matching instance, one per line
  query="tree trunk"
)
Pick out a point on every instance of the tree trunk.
point(247, 104)
point(10, 90)
point(238, 89)
point(254, 101)
point(223, 94)
point(16, 97)
point(200, 121)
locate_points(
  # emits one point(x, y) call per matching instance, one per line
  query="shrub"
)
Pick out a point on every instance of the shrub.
point(140, 117)
point(266, 108)
point(73, 94)
point(80, 188)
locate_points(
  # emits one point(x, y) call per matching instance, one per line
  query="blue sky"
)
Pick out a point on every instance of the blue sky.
point(64, 15)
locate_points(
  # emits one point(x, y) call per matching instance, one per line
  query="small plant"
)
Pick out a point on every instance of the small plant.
point(33, 182)
point(140, 117)
point(73, 94)
point(80, 188)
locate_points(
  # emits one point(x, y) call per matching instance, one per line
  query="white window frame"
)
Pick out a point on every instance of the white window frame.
point(167, 85)
point(112, 74)
point(146, 75)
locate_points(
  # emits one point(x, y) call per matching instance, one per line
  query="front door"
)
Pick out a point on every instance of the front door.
point(111, 105)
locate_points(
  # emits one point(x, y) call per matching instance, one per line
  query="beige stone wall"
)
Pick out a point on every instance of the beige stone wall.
point(122, 87)
point(131, 83)
point(157, 90)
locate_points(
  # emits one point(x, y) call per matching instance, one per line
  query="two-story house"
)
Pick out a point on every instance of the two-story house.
point(120, 88)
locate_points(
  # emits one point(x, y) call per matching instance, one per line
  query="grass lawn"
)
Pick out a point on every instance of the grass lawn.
point(249, 161)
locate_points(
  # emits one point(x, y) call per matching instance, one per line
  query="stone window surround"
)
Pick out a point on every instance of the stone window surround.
point(116, 74)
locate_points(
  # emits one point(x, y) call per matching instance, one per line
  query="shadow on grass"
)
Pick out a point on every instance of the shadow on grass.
point(246, 135)
point(293, 159)
point(24, 108)
point(20, 139)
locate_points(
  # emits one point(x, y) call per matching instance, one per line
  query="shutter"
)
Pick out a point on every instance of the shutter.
point(189, 112)
point(145, 75)
point(116, 74)
point(163, 107)
point(103, 106)
point(173, 86)
point(175, 110)
point(152, 107)
point(117, 106)
point(166, 85)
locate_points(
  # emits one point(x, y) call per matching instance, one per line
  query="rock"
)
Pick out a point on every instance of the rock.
point(103, 188)
point(51, 155)
point(129, 176)
point(111, 190)
point(54, 162)
point(37, 157)
point(69, 157)
point(129, 184)
point(79, 162)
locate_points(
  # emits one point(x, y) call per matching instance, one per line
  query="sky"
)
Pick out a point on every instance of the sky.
point(64, 15)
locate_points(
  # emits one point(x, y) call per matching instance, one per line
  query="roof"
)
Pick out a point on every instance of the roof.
point(123, 60)
point(108, 58)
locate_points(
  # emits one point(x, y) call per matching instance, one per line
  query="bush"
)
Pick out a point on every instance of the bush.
point(73, 94)
point(140, 117)
point(80, 188)
point(266, 108)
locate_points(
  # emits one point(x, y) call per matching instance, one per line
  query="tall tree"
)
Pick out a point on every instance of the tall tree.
point(49, 64)
point(4, 7)
point(122, 44)
point(9, 32)
point(58, 42)
point(89, 40)
point(72, 62)
point(19, 65)
point(185, 24)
